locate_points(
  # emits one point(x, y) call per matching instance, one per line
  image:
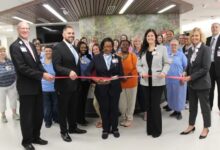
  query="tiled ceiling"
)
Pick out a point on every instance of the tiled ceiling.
point(73, 10)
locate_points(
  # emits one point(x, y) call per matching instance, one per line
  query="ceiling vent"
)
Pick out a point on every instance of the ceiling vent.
point(110, 10)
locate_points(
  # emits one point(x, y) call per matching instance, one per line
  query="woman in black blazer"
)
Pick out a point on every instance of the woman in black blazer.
point(107, 64)
point(199, 61)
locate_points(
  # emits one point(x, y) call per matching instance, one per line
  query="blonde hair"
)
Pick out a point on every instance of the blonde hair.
point(135, 38)
point(2, 48)
point(202, 36)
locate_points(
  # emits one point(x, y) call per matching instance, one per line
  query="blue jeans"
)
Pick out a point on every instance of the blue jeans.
point(50, 107)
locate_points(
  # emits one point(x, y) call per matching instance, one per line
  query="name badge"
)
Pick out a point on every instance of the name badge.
point(218, 53)
point(170, 60)
point(8, 68)
point(115, 60)
point(155, 53)
point(83, 61)
point(23, 49)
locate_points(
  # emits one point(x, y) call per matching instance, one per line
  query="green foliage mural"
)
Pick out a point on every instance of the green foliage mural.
point(114, 26)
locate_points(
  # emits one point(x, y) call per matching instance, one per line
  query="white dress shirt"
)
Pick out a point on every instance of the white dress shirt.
point(26, 42)
point(195, 51)
point(108, 59)
point(74, 52)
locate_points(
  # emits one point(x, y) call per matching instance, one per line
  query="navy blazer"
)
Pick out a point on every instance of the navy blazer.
point(199, 69)
point(98, 64)
point(29, 72)
point(216, 58)
point(64, 62)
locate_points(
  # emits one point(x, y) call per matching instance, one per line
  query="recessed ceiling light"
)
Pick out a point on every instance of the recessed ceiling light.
point(54, 12)
point(125, 7)
point(166, 8)
point(21, 19)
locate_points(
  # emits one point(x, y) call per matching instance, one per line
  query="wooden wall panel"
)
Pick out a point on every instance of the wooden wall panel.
point(77, 9)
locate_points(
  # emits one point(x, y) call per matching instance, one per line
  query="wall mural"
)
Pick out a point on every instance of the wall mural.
point(114, 26)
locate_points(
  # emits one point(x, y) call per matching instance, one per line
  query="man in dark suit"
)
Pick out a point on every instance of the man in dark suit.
point(29, 74)
point(214, 43)
point(66, 63)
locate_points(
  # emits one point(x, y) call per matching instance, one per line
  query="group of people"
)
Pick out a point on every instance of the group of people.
point(55, 84)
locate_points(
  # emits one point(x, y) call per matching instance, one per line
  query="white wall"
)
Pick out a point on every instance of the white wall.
point(205, 26)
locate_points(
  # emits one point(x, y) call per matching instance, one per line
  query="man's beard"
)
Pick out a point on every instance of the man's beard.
point(70, 41)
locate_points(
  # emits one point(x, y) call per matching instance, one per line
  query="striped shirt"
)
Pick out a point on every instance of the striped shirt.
point(7, 73)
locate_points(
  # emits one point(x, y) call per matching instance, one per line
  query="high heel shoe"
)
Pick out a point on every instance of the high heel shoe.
point(204, 136)
point(185, 133)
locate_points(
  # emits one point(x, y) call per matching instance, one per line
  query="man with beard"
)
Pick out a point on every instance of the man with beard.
point(66, 63)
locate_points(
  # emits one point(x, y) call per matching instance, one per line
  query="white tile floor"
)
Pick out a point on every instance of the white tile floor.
point(133, 138)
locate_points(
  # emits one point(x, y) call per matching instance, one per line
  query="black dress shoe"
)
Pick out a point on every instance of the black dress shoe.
point(116, 134)
point(77, 131)
point(155, 135)
point(179, 116)
point(48, 125)
point(185, 133)
point(104, 135)
point(149, 133)
point(66, 137)
point(29, 147)
point(173, 114)
point(165, 107)
point(40, 141)
point(203, 136)
point(168, 109)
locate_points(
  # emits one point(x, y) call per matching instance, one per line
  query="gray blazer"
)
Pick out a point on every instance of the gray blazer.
point(199, 69)
point(160, 64)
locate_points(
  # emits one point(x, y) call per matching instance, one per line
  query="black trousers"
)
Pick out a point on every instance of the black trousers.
point(109, 110)
point(84, 88)
point(214, 79)
point(154, 120)
point(67, 110)
point(140, 98)
point(31, 117)
point(203, 97)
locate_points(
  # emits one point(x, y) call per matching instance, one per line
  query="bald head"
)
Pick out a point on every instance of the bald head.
point(215, 29)
point(23, 30)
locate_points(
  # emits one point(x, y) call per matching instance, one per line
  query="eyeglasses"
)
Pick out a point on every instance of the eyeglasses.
point(37, 43)
point(24, 28)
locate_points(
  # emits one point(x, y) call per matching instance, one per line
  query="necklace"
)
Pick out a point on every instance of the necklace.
point(124, 56)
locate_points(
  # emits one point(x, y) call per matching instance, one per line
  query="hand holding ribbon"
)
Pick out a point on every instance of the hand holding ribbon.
point(72, 75)
point(48, 77)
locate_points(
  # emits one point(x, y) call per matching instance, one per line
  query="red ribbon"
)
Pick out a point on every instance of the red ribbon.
point(116, 77)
